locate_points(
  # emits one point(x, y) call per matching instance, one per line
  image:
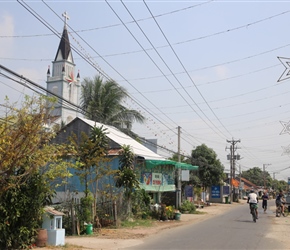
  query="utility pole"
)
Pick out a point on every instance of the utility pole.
point(240, 184)
point(264, 174)
point(232, 164)
point(178, 190)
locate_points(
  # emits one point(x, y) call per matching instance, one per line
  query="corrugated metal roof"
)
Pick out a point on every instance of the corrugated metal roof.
point(122, 139)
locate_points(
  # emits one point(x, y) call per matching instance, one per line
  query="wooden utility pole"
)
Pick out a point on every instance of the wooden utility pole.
point(178, 190)
point(264, 175)
point(232, 164)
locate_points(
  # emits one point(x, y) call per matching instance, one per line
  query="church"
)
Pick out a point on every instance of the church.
point(61, 81)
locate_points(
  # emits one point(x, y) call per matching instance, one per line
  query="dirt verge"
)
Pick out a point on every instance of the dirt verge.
point(109, 239)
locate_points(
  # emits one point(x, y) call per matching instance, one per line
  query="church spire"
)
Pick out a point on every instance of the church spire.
point(64, 49)
point(62, 81)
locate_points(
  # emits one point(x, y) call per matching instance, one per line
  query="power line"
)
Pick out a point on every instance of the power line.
point(141, 105)
point(186, 71)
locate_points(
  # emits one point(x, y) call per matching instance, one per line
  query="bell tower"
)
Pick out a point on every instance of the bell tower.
point(62, 81)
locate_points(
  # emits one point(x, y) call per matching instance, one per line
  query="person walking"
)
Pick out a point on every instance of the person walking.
point(265, 199)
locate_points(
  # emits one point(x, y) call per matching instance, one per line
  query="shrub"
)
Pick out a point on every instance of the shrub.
point(170, 212)
point(187, 206)
point(21, 208)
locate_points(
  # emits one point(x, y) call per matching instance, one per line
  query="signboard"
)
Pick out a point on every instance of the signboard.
point(215, 192)
point(226, 190)
point(156, 179)
point(185, 175)
point(188, 191)
point(241, 186)
point(147, 178)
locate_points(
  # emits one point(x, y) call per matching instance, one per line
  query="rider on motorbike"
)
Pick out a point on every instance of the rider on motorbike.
point(279, 201)
point(253, 199)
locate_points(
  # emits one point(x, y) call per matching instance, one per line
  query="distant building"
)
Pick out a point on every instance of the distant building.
point(149, 143)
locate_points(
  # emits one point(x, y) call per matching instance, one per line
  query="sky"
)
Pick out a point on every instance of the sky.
point(211, 68)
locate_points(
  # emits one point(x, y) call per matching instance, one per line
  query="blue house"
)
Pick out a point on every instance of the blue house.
point(156, 174)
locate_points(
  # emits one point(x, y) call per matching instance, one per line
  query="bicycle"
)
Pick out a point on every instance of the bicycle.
point(279, 210)
point(254, 208)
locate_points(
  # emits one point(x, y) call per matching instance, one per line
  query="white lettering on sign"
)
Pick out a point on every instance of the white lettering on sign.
point(156, 179)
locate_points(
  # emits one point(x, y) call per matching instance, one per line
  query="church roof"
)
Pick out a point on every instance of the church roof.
point(64, 46)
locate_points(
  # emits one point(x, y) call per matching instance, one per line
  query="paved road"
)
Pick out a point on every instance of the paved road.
point(231, 230)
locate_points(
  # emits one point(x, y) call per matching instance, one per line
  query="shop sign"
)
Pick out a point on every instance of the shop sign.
point(156, 178)
point(215, 191)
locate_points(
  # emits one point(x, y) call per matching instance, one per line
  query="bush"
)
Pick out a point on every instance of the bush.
point(170, 212)
point(140, 204)
point(21, 209)
point(187, 206)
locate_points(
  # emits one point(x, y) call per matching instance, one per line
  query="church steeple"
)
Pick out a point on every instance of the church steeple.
point(64, 49)
point(62, 81)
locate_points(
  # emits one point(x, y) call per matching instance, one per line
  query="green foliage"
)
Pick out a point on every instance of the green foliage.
point(21, 208)
point(26, 144)
point(257, 176)
point(140, 203)
point(197, 190)
point(29, 163)
point(126, 177)
point(85, 212)
point(182, 158)
point(170, 212)
point(187, 206)
point(279, 185)
point(211, 171)
point(103, 102)
point(92, 161)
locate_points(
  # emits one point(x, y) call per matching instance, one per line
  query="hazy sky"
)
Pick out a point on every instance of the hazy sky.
point(210, 67)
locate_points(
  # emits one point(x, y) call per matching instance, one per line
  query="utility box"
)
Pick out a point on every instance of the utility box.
point(52, 221)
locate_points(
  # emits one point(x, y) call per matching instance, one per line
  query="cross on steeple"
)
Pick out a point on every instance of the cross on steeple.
point(66, 18)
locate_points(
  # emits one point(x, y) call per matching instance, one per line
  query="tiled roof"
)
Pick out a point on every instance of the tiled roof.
point(52, 211)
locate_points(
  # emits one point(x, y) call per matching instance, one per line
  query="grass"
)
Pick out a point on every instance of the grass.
point(137, 223)
point(199, 212)
point(65, 247)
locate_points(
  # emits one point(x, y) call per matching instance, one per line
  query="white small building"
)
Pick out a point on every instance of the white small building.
point(52, 222)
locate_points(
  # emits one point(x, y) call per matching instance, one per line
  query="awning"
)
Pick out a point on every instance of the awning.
point(185, 166)
point(153, 163)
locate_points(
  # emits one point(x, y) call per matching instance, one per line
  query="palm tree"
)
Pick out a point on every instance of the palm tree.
point(102, 102)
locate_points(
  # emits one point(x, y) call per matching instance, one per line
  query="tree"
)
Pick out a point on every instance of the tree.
point(182, 158)
point(126, 177)
point(210, 171)
point(279, 185)
point(102, 102)
point(25, 144)
point(29, 162)
point(91, 156)
point(257, 176)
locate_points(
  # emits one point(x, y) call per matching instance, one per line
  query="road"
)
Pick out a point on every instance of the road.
point(231, 230)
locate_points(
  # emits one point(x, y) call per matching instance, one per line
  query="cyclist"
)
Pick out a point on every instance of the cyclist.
point(279, 202)
point(253, 199)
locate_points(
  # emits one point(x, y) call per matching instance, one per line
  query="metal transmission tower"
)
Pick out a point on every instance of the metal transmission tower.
point(232, 157)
